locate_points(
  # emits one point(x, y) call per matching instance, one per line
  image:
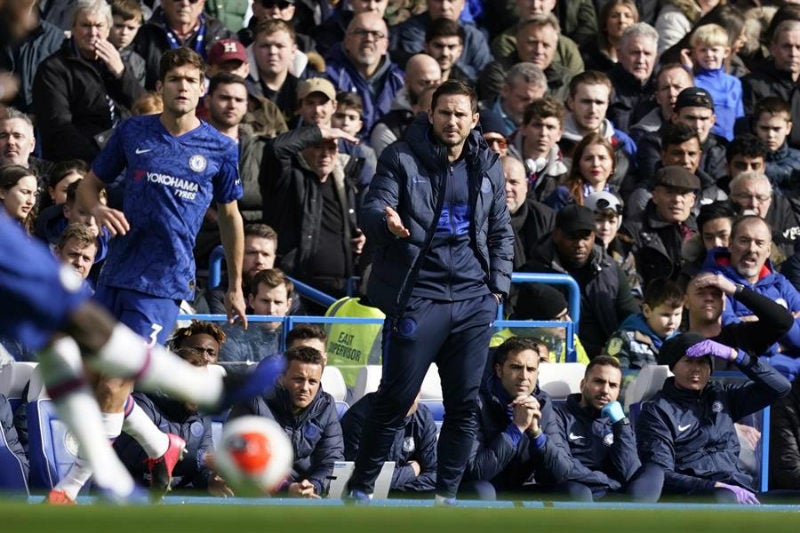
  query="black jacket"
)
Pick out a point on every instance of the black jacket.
point(631, 99)
point(315, 433)
point(9, 434)
point(766, 80)
point(506, 458)
point(70, 101)
point(690, 434)
point(713, 161)
point(606, 298)
point(657, 244)
point(293, 202)
point(603, 455)
point(784, 444)
point(416, 442)
point(171, 416)
point(531, 223)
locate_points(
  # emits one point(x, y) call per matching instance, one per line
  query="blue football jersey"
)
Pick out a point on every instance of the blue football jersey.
point(169, 184)
point(37, 293)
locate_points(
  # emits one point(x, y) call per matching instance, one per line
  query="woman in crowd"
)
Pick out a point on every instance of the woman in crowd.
point(614, 17)
point(592, 166)
point(18, 193)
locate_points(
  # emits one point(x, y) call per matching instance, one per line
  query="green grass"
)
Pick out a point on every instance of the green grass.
point(20, 517)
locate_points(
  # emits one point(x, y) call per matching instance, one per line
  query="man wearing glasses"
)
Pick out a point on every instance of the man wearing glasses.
point(751, 193)
point(360, 64)
point(177, 23)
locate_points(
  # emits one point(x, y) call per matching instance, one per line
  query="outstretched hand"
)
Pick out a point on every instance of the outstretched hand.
point(395, 224)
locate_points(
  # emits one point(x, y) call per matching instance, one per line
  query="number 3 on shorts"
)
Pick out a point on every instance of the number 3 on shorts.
point(156, 329)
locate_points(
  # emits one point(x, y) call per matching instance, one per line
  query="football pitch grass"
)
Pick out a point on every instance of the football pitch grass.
point(199, 515)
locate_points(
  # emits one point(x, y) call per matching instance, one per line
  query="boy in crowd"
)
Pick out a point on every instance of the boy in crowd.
point(349, 116)
point(127, 17)
point(772, 123)
point(640, 336)
point(709, 50)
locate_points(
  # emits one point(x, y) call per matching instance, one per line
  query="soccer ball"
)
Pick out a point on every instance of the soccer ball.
point(254, 455)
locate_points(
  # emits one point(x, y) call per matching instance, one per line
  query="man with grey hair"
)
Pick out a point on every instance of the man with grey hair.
point(17, 142)
point(632, 76)
point(177, 23)
point(524, 83)
point(361, 64)
point(567, 52)
point(537, 42)
point(778, 75)
point(751, 193)
point(83, 90)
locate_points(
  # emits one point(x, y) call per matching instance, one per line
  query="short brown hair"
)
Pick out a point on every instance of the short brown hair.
point(544, 108)
point(602, 360)
point(773, 105)
point(271, 277)
point(272, 26)
point(515, 345)
point(261, 230)
point(455, 87)
point(663, 291)
point(127, 9)
point(179, 57)
point(589, 77)
point(79, 232)
point(304, 354)
point(305, 332)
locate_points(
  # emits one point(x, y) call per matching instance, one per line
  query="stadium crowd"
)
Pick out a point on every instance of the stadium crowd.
point(645, 148)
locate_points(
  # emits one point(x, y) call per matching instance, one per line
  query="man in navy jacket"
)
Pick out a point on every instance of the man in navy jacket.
point(514, 449)
point(309, 418)
point(687, 429)
point(600, 439)
point(413, 450)
point(443, 249)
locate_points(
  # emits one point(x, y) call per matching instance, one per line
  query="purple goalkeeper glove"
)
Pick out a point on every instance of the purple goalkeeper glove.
point(743, 496)
point(614, 412)
point(709, 347)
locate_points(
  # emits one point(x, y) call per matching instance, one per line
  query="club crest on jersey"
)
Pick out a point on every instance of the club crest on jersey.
point(197, 163)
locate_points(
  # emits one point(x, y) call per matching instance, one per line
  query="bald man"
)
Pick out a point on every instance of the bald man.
point(530, 219)
point(422, 72)
point(360, 64)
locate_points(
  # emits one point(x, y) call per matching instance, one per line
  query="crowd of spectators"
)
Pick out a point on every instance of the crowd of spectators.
point(645, 144)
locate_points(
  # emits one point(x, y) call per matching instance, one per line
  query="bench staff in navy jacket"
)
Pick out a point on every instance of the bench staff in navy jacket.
point(436, 214)
point(600, 440)
point(687, 429)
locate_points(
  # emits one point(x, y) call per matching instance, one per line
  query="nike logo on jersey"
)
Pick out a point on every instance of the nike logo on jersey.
point(574, 438)
point(681, 429)
point(142, 151)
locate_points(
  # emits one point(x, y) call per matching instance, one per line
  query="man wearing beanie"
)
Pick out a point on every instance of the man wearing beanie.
point(688, 427)
point(606, 298)
point(537, 301)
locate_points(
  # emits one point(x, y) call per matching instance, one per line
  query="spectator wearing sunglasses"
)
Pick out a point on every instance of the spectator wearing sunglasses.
point(177, 23)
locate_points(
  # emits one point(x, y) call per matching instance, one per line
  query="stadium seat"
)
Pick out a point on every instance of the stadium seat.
point(560, 380)
point(52, 448)
point(643, 387)
point(436, 408)
point(369, 377)
point(12, 476)
point(14, 378)
point(333, 383)
point(341, 409)
point(432, 384)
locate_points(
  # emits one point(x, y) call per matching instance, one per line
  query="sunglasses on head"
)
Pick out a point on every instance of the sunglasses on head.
point(280, 4)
